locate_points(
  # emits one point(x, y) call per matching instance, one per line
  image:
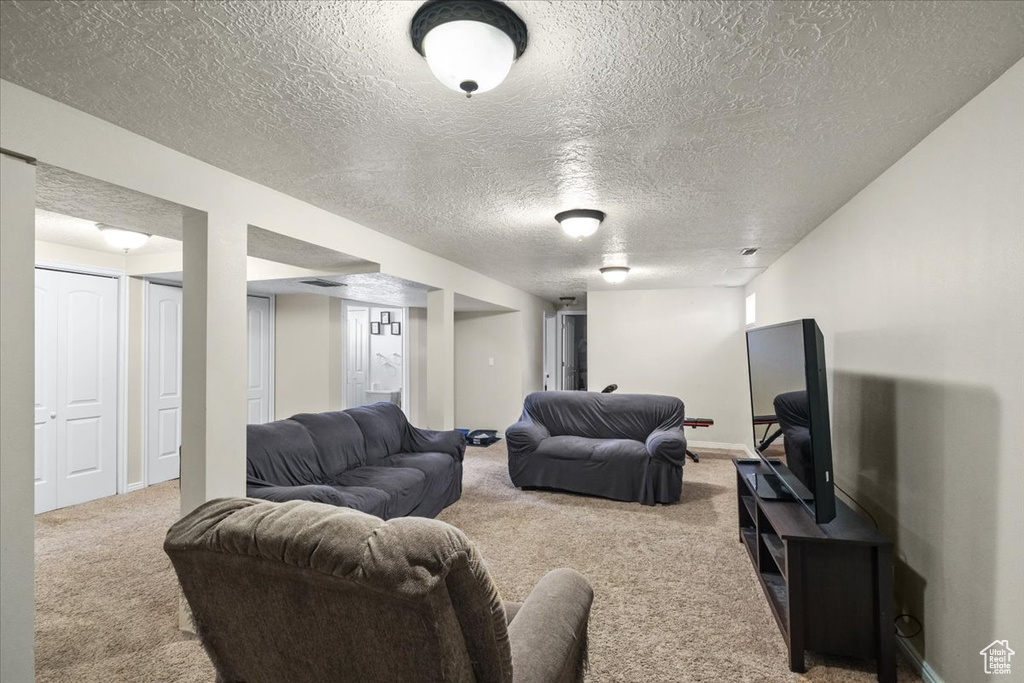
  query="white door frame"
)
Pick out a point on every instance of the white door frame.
point(144, 481)
point(271, 348)
point(121, 412)
point(406, 393)
point(559, 318)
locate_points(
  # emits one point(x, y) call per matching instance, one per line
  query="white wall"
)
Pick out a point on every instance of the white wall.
point(488, 396)
point(680, 342)
point(918, 286)
point(303, 354)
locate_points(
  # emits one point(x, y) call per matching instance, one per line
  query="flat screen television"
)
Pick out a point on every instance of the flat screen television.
point(789, 402)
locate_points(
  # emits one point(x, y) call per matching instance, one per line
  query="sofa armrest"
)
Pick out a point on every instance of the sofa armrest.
point(430, 441)
point(524, 437)
point(668, 445)
point(549, 632)
point(312, 492)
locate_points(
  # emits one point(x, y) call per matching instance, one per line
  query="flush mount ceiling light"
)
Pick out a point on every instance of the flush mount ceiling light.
point(614, 274)
point(469, 45)
point(580, 222)
point(121, 238)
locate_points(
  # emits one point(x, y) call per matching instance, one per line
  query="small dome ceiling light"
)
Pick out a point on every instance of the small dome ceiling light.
point(469, 45)
point(614, 274)
point(580, 223)
point(121, 238)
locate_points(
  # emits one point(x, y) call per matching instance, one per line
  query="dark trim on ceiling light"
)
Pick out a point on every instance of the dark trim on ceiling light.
point(580, 213)
point(749, 251)
point(496, 14)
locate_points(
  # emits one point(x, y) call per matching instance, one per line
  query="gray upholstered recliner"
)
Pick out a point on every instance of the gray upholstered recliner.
point(620, 446)
point(303, 592)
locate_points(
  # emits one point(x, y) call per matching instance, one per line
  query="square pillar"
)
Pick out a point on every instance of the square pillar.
point(441, 359)
point(17, 434)
point(214, 368)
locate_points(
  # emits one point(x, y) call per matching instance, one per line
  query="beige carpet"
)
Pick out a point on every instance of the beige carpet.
point(676, 599)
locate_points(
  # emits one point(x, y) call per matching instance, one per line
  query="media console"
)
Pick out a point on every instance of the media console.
point(829, 586)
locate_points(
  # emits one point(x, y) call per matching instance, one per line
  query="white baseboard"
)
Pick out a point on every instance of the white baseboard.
point(694, 445)
point(134, 486)
point(917, 662)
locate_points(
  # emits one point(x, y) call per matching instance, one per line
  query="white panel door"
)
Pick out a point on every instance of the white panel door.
point(163, 382)
point(260, 361)
point(550, 351)
point(86, 388)
point(46, 390)
point(357, 338)
point(569, 353)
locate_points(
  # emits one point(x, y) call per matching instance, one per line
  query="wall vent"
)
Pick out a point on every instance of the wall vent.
point(322, 283)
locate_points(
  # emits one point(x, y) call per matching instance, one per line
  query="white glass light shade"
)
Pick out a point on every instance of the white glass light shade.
point(460, 52)
point(580, 226)
point(614, 274)
point(123, 239)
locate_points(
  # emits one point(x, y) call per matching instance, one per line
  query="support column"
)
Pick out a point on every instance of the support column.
point(17, 436)
point(441, 359)
point(214, 385)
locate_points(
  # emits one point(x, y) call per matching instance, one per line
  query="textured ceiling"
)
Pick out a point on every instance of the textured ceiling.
point(700, 128)
point(64, 196)
point(82, 233)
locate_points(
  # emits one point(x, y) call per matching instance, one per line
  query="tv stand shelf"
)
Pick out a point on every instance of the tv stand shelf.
point(829, 586)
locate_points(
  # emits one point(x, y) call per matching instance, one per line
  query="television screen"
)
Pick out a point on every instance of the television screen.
point(789, 402)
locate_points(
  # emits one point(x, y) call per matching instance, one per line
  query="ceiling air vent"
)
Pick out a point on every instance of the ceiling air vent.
point(322, 283)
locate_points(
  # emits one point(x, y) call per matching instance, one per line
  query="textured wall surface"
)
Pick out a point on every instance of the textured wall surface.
point(700, 128)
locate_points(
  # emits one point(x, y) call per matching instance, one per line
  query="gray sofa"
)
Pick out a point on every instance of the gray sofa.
point(308, 593)
point(622, 446)
point(368, 458)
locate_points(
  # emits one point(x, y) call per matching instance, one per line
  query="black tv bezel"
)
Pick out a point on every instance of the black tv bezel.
point(815, 379)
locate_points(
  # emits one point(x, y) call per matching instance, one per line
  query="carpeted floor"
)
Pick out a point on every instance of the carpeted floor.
point(676, 600)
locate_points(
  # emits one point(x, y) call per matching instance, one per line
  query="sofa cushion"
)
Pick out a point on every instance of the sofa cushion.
point(603, 416)
point(404, 486)
point(282, 453)
point(383, 426)
point(579, 447)
point(338, 439)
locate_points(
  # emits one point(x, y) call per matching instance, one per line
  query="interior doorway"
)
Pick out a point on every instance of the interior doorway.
point(565, 351)
point(163, 374)
point(77, 342)
point(376, 348)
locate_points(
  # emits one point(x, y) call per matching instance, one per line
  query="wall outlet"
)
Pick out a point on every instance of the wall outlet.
point(490, 361)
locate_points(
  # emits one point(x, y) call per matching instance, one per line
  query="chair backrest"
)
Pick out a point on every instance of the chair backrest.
point(603, 416)
point(300, 591)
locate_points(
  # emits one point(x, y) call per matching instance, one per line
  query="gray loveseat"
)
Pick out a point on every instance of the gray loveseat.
point(622, 446)
point(308, 593)
point(368, 458)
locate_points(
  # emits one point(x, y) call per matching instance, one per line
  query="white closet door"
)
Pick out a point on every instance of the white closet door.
point(260, 361)
point(163, 382)
point(46, 390)
point(357, 328)
point(86, 388)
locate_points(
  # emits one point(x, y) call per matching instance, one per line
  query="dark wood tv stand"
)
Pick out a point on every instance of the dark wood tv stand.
point(829, 586)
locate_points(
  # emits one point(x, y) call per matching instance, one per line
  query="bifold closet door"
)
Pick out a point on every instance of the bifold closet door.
point(260, 363)
point(76, 388)
point(163, 382)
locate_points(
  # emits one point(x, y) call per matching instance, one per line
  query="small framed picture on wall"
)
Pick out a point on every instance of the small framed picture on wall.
point(385, 317)
point(375, 328)
point(396, 328)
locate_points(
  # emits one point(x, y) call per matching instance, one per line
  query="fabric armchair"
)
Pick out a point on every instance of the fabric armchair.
point(626, 447)
point(409, 599)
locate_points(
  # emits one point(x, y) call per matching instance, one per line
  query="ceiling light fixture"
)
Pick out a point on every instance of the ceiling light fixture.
point(580, 223)
point(614, 274)
point(469, 45)
point(123, 239)
point(749, 251)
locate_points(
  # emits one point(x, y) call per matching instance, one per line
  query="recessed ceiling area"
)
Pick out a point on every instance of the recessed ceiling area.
point(83, 234)
point(698, 128)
